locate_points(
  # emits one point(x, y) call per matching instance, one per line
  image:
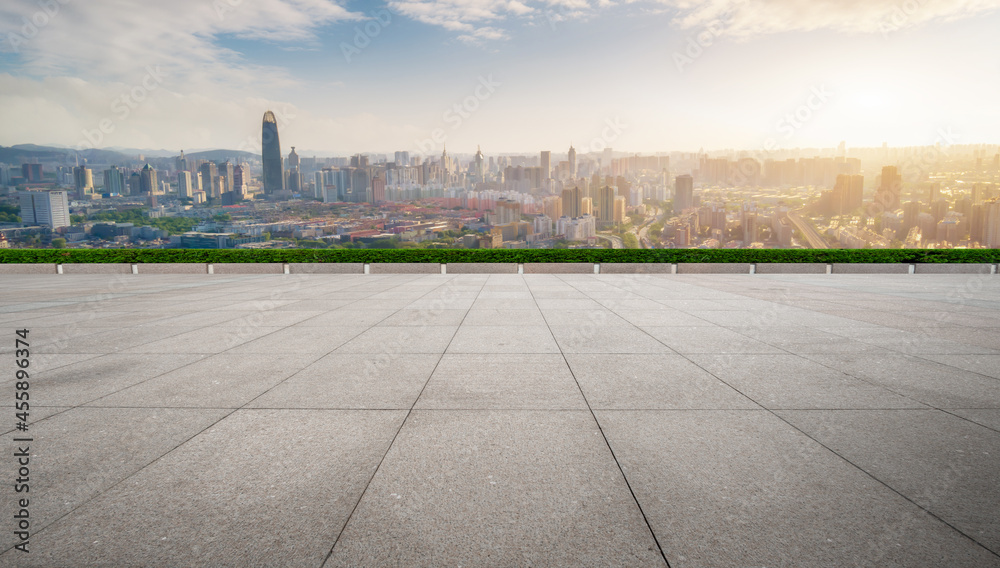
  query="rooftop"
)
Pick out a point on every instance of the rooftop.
point(507, 420)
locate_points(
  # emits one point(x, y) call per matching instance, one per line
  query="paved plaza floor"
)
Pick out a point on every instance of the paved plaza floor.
point(409, 420)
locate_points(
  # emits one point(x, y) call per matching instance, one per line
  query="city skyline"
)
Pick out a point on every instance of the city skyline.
point(372, 77)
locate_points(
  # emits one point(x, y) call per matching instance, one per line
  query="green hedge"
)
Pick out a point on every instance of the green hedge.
point(54, 256)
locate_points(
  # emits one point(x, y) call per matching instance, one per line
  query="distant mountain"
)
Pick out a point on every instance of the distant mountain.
point(22, 153)
point(235, 156)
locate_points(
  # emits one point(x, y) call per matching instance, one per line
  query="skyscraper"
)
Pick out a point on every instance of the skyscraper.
point(83, 180)
point(226, 171)
point(546, 163)
point(274, 175)
point(605, 205)
point(683, 193)
point(209, 172)
point(571, 202)
point(887, 194)
point(572, 161)
point(184, 187)
point(48, 208)
point(114, 181)
point(480, 173)
point(147, 180)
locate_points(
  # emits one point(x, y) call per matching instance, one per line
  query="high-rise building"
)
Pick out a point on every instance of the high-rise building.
point(274, 175)
point(572, 161)
point(241, 177)
point(618, 216)
point(181, 163)
point(293, 160)
point(889, 189)
point(683, 193)
point(479, 172)
point(402, 159)
point(114, 181)
point(209, 173)
point(226, 172)
point(545, 160)
point(32, 173)
point(83, 180)
point(991, 223)
point(605, 205)
point(134, 184)
point(45, 208)
point(147, 180)
point(571, 202)
point(184, 187)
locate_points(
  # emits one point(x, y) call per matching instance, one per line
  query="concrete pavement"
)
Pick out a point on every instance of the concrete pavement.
point(506, 420)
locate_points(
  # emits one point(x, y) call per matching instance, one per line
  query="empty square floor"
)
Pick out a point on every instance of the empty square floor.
point(504, 420)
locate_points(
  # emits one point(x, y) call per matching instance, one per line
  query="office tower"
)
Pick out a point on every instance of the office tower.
point(618, 216)
point(605, 205)
point(32, 173)
point(571, 202)
point(378, 189)
point(226, 171)
point(572, 162)
point(318, 185)
point(991, 223)
point(184, 187)
point(181, 163)
point(402, 159)
point(114, 181)
point(134, 184)
point(147, 180)
point(887, 194)
point(683, 193)
point(209, 173)
point(546, 162)
point(241, 177)
point(293, 180)
point(750, 223)
point(553, 207)
point(45, 208)
point(274, 175)
point(293, 160)
point(586, 206)
point(4, 175)
point(939, 209)
point(83, 180)
point(479, 172)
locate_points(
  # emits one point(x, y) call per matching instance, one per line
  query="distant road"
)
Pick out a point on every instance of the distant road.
point(616, 243)
point(813, 238)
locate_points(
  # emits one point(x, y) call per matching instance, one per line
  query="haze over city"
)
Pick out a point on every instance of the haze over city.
point(375, 77)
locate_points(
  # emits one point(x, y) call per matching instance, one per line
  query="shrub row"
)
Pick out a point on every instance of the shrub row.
point(55, 256)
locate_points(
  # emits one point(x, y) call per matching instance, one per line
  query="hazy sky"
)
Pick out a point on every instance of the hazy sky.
point(642, 76)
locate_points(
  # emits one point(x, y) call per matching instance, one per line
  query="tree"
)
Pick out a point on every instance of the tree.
point(58, 243)
point(630, 240)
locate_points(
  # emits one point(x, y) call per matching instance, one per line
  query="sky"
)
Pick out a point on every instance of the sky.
point(510, 76)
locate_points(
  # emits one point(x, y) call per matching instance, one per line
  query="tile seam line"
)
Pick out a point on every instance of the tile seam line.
point(831, 450)
point(169, 451)
point(600, 429)
point(402, 423)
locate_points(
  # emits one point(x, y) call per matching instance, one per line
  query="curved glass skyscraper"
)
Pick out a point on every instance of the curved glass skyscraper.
point(274, 175)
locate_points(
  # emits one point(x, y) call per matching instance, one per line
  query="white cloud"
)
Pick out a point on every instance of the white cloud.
point(115, 38)
point(734, 18)
point(749, 18)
